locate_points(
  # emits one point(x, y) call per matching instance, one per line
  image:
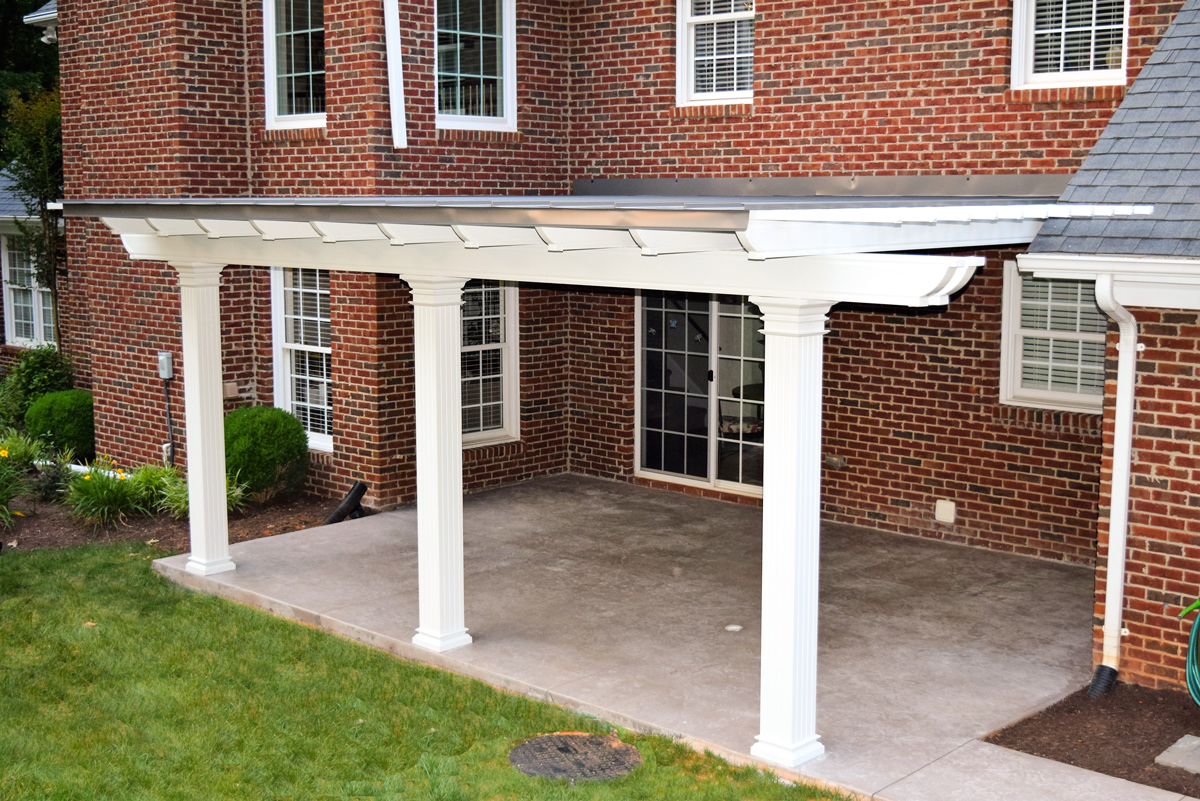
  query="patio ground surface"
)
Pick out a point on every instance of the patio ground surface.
point(614, 600)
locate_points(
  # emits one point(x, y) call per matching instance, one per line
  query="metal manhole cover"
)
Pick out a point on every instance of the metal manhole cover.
point(575, 756)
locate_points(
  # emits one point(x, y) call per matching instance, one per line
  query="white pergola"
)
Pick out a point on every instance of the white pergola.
point(794, 258)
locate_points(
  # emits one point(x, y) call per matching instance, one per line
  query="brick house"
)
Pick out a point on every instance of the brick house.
point(474, 245)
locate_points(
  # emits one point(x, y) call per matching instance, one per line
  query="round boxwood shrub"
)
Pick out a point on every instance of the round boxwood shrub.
point(64, 419)
point(267, 450)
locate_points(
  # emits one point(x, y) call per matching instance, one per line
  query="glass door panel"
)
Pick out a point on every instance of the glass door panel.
point(739, 386)
point(675, 385)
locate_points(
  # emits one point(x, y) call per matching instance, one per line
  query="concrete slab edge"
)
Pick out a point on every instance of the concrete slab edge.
point(213, 585)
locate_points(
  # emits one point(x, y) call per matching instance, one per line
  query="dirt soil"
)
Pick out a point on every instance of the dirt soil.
point(1119, 734)
point(46, 525)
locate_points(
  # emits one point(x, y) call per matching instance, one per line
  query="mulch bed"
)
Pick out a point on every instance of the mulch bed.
point(1119, 734)
point(47, 525)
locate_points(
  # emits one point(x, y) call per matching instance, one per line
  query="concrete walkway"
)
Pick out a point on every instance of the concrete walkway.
point(614, 600)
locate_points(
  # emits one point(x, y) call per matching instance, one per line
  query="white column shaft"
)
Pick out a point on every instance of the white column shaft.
point(200, 305)
point(437, 342)
point(791, 529)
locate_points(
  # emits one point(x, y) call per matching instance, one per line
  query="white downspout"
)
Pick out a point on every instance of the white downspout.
point(1118, 520)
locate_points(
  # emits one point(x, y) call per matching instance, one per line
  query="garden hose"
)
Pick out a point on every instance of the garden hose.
point(1193, 654)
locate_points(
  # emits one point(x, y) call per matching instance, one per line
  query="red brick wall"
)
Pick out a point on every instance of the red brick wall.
point(875, 87)
point(1163, 556)
point(911, 403)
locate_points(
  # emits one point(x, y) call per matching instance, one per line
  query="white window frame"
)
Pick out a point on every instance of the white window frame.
point(1023, 76)
point(508, 57)
point(281, 365)
point(1011, 391)
point(40, 323)
point(685, 91)
point(712, 483)
point(274, 120)
point(510, 430)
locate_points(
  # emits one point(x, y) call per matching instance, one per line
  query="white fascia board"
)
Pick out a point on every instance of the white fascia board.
point(12, 225)
point(1137, 281)
point(395, 70)
point(888, 279)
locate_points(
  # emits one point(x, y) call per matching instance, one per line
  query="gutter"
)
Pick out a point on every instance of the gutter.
point(1118, 519)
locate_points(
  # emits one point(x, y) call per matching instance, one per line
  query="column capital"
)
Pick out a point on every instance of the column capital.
point(198, 274)
point(793, 317)
point(435, 290)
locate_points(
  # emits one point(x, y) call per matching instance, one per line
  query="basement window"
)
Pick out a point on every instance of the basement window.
point(1053, 340)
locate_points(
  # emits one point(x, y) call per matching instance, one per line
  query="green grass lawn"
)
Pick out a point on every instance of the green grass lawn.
point(114, 683)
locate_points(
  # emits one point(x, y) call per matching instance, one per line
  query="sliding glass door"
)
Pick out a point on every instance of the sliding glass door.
point(701, 387)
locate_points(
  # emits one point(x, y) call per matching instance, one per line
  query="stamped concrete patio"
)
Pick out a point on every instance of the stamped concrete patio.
point(614, 600)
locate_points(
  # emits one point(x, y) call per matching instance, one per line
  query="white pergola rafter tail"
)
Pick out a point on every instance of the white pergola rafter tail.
point(889, 279)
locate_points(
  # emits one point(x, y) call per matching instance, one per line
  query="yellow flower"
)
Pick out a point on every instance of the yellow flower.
point(4, 453)
point(121, 476)
point(87, 478)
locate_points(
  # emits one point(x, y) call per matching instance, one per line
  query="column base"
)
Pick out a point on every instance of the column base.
point(442, 642)
point(788, 756)
point(201, 568)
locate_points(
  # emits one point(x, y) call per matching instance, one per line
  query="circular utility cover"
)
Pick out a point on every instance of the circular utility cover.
point(575, 756)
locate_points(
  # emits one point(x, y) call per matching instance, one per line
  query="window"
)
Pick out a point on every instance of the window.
point(1053, 343)
point(294, 61)
point(490, 366)
point(476, 64)
point(28, 309)
point(715, 52)
point(700, 404)
point(303, 356)
point(1059, 43)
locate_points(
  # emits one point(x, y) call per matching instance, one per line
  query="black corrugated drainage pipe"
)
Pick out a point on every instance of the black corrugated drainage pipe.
point(351, 505)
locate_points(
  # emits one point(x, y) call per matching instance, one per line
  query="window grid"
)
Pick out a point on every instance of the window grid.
point(307, 351)
point(1071, 358)
point(742, 357)
point(719, 58)
point(1078, 35)
point(30, 307)
point(484, 340)
point(300, 56)
point(470, 58)
point(675, 386)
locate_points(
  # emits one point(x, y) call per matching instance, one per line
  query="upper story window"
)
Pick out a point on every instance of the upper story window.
point(490, 368)
point(477, 64)
point(1060, 43)
point(1052, 347)
point(303, 352)
point(715, 52)
point(28, 309)
point(294, 59)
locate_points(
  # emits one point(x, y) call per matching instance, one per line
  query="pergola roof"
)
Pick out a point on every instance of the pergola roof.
point(862, 249)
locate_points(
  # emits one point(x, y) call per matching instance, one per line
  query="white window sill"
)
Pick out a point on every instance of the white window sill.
point(1081, 407)
point(1073, 80)
point(294, 121)
point(717, 100)
point(467, 123)
point(483, 439)
point(320, 442)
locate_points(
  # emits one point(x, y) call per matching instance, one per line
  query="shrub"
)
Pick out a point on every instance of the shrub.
point(103, 496)
point(150, 482)
point(64, 420)
point(174, 500)
point(36, 372)
point(20, 450)
point(267, 449)
point(54, 478)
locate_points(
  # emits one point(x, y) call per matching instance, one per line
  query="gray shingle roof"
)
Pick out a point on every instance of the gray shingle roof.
point(10, 205)
point(1148, 153)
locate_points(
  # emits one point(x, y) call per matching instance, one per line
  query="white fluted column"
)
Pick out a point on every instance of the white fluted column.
point(791, 529)
point(200, 304)
point(437, 344)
